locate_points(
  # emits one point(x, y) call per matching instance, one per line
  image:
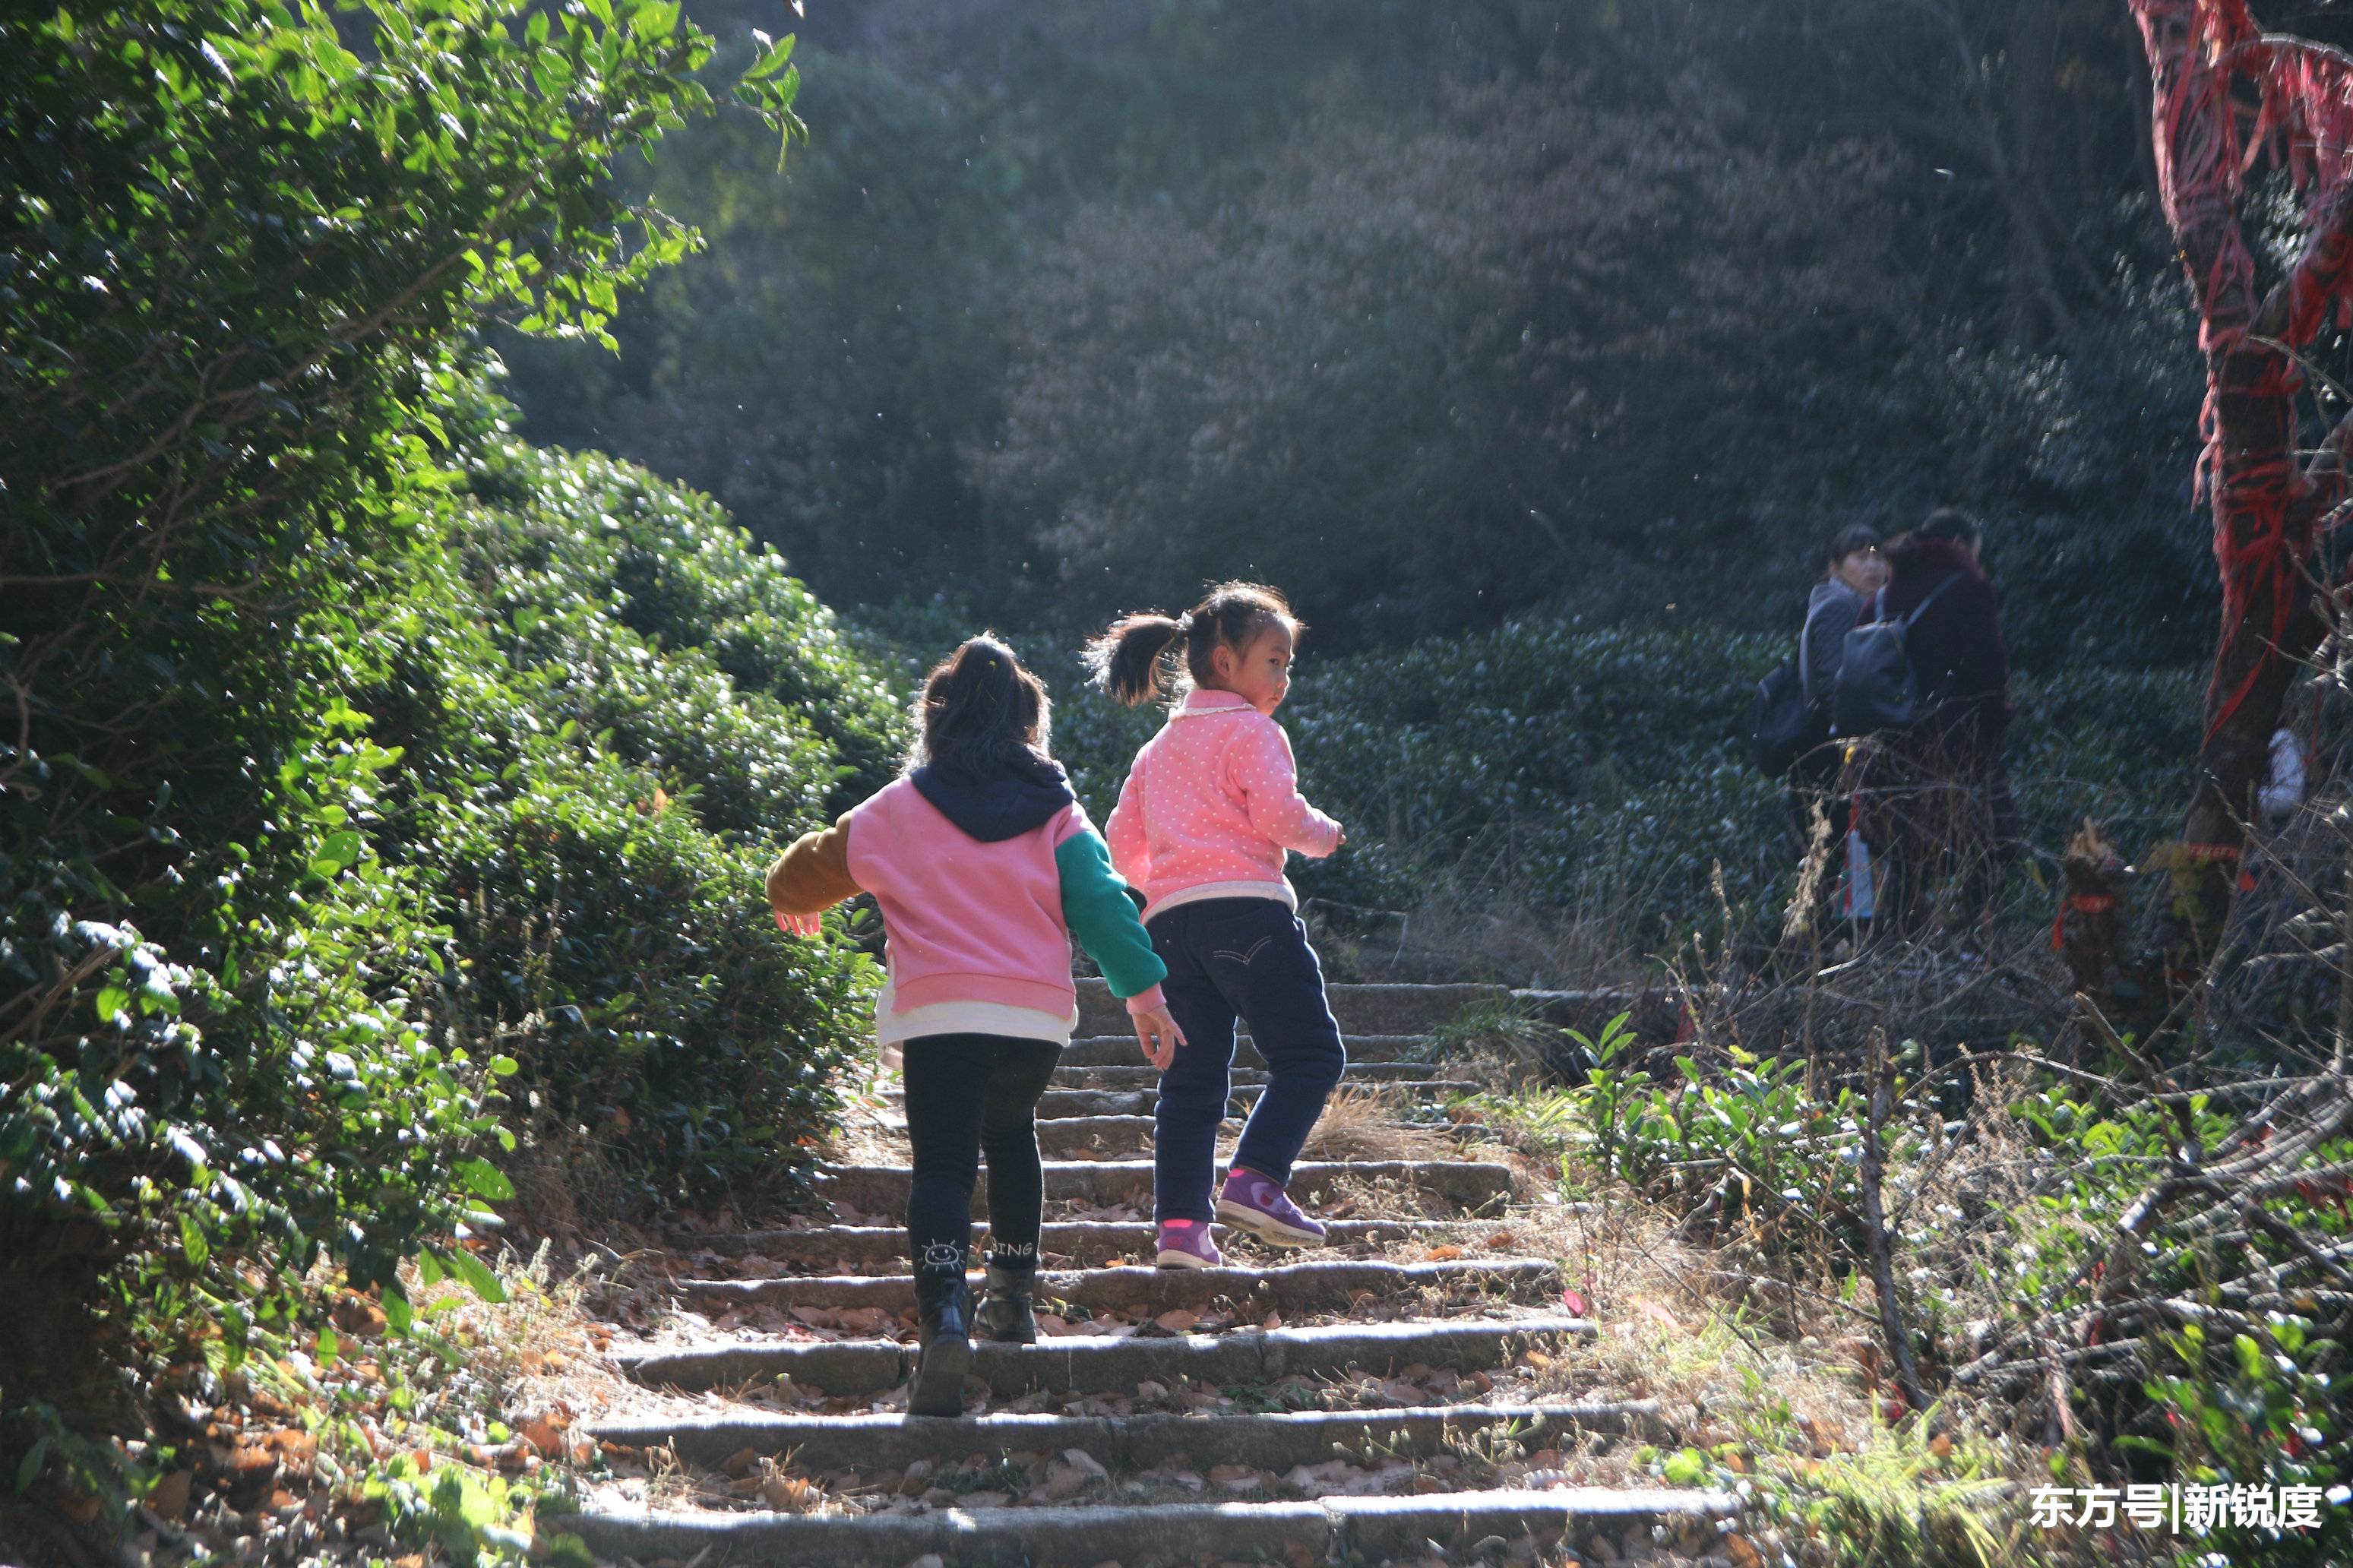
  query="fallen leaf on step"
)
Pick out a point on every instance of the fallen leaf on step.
point(740, 1462)
point(1085, 1463)
point(1188, 1479)
point(865, 1320)
point(1742, 1553)
point(1444, 1254)
point(1062, 1483)
point(1149, 1390)
point(1575, 1302)
point(1177, 1321)
point(1502, 1239)
point(1274, 1321)
point(1047, 1324)
point(814, 1317)
point(788, 1494)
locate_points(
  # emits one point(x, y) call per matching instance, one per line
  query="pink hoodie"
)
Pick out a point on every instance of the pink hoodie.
point(1210, 806)
point(979, 937)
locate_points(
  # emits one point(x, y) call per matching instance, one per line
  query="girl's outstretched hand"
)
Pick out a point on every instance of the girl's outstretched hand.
point(1157, 1034)
point(801, 925)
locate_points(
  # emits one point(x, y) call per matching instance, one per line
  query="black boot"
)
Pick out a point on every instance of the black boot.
point(943, 1318)
point(1004, 1311)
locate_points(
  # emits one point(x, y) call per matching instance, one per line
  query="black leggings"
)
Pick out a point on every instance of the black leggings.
point(968, 1095)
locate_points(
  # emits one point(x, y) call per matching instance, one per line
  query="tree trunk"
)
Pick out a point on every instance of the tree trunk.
point(2206, 57)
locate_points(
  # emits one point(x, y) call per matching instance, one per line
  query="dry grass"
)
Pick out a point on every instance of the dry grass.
point(1365, 1122)
point(1472, 920)
point(1782, 1383)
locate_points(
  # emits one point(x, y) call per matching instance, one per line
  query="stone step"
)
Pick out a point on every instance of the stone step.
point(1059, 1102)
point(1357, 1009)
point(1088, 1242)
point(1120, 1050)
point(1143, 1075)
point(1090, 1364)
point(1321, 1285)
point(1329, 1529)
point(1276, 1442)
point(1097, 1137)
point(1066, 1137)
point(882, 1189)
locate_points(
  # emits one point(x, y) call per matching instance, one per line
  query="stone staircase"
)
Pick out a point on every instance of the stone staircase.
point(1380, 1399)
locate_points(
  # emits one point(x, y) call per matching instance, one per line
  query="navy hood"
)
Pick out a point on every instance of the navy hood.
point(996, 798)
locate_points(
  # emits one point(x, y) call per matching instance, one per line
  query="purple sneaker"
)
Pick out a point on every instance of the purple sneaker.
point(1259, 1206)
point(1186, 1243)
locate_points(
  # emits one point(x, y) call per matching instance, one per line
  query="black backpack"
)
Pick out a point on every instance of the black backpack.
point(1877, 688)
point(1781, 727)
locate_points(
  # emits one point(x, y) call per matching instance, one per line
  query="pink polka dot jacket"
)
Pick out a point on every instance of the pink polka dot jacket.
point(1212, 806)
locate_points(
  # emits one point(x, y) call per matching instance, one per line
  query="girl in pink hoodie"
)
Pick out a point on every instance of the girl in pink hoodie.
point(985, 867)
point(1210, 809)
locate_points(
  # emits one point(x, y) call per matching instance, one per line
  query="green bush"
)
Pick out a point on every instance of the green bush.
point(266, 846)
point(596, 781)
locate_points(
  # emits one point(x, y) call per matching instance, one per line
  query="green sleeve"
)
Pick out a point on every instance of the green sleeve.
point(1099, 912)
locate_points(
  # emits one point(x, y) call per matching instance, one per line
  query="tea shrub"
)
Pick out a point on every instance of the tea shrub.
point(617, 708)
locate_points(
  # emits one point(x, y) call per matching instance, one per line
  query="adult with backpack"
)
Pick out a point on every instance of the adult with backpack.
point(1928, 674)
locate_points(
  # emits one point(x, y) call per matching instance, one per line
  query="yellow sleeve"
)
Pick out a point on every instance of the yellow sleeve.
point(814, 874)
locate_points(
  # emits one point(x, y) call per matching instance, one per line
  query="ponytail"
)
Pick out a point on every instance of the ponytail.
point(1131, 660)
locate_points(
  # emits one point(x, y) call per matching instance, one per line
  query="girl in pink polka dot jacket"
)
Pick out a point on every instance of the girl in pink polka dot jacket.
point(1209, 811)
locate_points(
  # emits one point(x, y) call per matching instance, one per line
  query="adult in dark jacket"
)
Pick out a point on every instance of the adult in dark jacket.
point(1955, 646)
point(1947, 793)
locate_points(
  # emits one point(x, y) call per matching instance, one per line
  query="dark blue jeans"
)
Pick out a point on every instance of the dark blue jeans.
point(1244, 958)
point(970, 1096)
